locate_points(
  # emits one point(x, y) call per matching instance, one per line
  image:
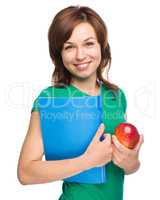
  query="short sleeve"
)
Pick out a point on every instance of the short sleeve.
point(35, 105)
point(123, 100)
point(44, 93)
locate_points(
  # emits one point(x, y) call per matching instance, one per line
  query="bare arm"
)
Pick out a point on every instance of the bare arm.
point(137, 166)
point(33, 170)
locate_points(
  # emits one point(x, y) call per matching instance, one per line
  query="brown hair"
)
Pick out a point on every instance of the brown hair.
point(60, 31)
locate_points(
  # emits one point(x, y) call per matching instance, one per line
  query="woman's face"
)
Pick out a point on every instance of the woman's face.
point(81, 53)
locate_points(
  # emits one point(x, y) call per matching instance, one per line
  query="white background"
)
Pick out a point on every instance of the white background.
point(26, 68)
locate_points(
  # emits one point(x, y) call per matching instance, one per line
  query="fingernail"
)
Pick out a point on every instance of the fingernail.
point(102, 125)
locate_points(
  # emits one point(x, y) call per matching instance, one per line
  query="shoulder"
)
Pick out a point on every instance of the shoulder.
point(112, 96)
point(53, 91)
point(122, 99)
point(45, 92)
point(121, 92)
point(111, 92)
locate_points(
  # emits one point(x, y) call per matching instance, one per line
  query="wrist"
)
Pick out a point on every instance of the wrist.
point(85, 162)
point(133, 169)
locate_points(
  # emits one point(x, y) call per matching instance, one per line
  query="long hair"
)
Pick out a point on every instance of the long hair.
point(60, 31)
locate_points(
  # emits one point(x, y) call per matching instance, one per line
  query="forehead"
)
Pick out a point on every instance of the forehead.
point(81, 32)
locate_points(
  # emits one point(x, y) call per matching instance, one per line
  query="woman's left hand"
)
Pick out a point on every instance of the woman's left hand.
point(125, 158)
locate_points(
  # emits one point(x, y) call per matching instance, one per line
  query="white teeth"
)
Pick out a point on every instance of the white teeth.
point(82, 66)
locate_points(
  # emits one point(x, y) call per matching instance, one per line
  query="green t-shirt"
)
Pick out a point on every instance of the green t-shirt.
point(114, 108)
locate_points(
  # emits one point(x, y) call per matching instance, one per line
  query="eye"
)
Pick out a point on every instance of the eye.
point(68, 47)
point(89, 43)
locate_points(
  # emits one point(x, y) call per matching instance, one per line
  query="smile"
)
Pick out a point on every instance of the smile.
point(82, 66)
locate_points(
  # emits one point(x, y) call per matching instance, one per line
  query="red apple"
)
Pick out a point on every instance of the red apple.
point(127, 134)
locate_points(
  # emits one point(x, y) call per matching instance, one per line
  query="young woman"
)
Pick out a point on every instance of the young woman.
point(79, 49)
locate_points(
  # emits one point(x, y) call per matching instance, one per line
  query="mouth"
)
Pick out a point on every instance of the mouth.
point(82, 66)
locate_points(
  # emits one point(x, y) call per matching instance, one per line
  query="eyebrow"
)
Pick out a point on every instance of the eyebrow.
point(84, 40)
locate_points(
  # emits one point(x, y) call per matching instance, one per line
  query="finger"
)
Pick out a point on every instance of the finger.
point(107, 138)
point(114, 149)
point(140, 142)
point(115, 159)
point(118, 145)
point(99, 132)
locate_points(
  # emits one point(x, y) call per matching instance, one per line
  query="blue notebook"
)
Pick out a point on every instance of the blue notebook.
point(68, 125)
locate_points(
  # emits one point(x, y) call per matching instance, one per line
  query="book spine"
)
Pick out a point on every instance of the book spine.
point(103, 178)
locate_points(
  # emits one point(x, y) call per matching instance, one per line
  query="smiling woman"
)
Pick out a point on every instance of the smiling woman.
point(78, 45)
point(82, 55)
point(79, 49)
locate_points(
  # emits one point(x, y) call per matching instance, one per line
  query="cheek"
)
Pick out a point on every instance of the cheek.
point(66, 58)
point(96, 54)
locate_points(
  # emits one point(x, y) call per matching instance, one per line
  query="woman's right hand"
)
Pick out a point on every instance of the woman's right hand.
point(99, 152)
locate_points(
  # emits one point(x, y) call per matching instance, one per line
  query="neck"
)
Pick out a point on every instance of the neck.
point(88, 86)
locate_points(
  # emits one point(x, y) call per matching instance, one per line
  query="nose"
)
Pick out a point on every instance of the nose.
point(80, 54)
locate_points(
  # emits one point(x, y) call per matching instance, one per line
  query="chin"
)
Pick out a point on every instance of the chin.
point(84, 75)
